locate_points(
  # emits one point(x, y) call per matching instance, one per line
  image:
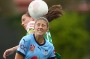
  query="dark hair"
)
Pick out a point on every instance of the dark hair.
point(54, 12)
point(27, 14)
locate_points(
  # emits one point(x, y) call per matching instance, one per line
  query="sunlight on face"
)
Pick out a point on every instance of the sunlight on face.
point(40, 27)
point(25, 20)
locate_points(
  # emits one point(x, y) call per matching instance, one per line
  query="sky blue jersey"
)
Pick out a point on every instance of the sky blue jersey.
point(29, 48)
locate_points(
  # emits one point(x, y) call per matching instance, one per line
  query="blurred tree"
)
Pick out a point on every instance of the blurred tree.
point(7, 8)
point(70, 36)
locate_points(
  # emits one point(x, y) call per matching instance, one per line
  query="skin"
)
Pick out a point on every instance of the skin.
point(24, 22)
point(40, 28)
point(54, 12)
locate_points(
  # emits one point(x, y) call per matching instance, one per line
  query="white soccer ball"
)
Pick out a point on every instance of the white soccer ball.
point(37, 8)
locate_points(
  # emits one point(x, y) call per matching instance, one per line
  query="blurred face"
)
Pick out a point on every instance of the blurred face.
point(40, 27)
point(25, 20)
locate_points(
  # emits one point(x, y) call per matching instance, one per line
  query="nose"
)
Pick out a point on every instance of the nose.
point(40, 26)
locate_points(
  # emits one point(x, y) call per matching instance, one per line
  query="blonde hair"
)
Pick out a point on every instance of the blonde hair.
point(43, 18)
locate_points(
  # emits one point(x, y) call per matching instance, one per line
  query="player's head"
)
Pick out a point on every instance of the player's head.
point(25, 20)
point(41, 26)
point(54, 12)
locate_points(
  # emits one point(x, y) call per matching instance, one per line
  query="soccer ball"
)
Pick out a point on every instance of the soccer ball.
point(37, 8)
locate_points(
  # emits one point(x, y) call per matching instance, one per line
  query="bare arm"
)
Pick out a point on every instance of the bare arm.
point(9, 51)
point(18, 56)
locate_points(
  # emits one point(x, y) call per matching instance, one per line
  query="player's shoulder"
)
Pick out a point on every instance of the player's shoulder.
point(28, 37)
point(49, 44)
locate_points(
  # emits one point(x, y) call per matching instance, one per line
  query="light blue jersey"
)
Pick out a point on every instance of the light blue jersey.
point(31, 49)
point(46, 36)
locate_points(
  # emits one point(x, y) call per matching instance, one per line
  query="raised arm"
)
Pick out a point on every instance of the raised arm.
point(9, 51)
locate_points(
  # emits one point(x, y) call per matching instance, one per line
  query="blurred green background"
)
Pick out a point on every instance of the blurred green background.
point(70, 33)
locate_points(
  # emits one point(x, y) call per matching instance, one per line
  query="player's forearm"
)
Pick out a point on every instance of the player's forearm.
point(15, 48)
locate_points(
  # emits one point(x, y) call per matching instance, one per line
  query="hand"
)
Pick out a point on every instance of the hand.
point(8, 52)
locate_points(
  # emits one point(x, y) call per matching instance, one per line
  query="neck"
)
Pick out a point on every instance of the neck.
point(39, 39)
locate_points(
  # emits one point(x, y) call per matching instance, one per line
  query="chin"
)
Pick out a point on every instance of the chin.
point(40, 34)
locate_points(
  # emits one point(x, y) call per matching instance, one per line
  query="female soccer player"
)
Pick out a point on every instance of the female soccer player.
point(35, 46)
point(54, 12)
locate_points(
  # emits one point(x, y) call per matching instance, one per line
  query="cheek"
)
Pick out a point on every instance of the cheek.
point(46, 29)
point(27, 22)
point(35, 27)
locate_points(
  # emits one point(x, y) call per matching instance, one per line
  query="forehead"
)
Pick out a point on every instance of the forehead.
point(24, 16)
point(41, 21)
